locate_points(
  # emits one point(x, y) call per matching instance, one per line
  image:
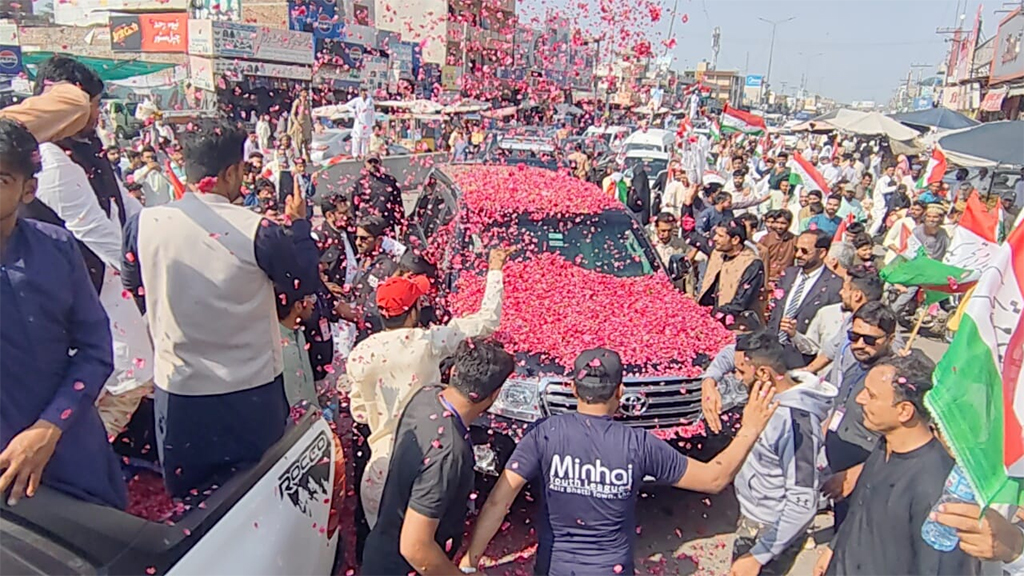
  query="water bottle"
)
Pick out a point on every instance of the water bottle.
point(957, 489)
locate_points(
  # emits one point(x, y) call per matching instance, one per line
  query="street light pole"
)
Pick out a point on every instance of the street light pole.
point(771, 54)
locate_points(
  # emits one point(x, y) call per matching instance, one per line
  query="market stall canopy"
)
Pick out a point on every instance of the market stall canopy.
point(500, 112)
point(331, 111)
point(986, 144)
point(108, 70)
point(938, 118)
point(419, 106)
point(646, 109)
point(875, 124)
point(829, 121)
point(567, 110)
point(466, 106)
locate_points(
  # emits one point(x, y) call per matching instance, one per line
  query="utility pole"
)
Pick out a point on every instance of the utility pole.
point(918, 67)
point(771, 54)
point(672, 21)
point(716, 36)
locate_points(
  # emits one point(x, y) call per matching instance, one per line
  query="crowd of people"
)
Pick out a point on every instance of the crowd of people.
point(222, 304)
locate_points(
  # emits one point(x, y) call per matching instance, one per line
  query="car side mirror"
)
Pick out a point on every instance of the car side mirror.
point(677, 267)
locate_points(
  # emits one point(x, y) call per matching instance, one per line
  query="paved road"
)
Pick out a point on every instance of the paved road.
point(678, 533)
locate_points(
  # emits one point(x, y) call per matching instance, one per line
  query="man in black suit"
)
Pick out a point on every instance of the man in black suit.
point(806, 287)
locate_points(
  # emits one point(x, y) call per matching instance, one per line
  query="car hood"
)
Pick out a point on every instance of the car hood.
point(554, 309)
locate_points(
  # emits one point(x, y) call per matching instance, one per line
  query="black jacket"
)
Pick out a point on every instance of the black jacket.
point(823, 292)
point(379, 195)
point(640, 200)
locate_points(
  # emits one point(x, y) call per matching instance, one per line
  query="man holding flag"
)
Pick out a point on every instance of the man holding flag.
point(978, 395)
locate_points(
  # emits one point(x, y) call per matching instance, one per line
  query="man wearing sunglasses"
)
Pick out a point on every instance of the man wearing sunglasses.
point(804, 288)
point(903, 477)
point(375, 266)
point(869, 341)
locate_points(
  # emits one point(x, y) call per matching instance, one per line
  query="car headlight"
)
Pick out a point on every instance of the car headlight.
point(519, 400)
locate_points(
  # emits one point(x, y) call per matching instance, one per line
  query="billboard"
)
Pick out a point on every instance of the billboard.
point(210, 73)
point(1007, 61)
point(98, 12)
point(149, 32)
point(10, 60)
point(754, 81)
point(322, 18)
point(248, 41)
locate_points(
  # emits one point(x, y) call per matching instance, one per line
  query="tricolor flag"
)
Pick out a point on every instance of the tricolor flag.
point(976, 237)
point(935, 169)
point(978, 394)
point(734, 120)
point(716, 131)
point(802, 172)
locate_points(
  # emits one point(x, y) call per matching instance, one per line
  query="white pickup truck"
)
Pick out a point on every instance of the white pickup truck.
point(269, 519)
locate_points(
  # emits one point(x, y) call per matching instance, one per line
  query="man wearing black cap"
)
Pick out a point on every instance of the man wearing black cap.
point(591, 468)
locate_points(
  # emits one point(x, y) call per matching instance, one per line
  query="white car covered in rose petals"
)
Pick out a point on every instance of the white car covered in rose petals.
point(278, 517)
point(584, 275)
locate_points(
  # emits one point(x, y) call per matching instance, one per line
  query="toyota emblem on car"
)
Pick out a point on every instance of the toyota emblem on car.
point(633, 404)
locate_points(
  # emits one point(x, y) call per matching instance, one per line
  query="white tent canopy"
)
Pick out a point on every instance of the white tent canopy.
point(875, 124)
point(419, 106)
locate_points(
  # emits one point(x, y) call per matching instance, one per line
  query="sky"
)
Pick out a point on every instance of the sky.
point(850, 50)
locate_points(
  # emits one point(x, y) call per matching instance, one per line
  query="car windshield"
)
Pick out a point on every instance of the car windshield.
point(607, 242)
point(643, 146)
point(654, 166)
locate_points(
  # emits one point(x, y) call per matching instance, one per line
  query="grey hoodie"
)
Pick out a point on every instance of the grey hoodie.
point(779, 482)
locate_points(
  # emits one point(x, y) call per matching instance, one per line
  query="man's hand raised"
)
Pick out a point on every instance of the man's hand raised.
point(295, 207)
point(498, 257)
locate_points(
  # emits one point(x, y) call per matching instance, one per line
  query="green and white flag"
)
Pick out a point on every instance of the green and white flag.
point(978, 394)
point(734, 120)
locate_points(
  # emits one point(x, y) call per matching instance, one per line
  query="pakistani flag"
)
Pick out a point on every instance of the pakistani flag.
point(978, 394)
point(734, 120)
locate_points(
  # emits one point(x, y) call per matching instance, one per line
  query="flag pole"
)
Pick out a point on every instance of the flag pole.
point(914, 332)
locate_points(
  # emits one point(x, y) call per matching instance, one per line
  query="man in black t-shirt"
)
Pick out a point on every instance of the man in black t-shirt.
point(591, 469)
point(902, 479)
point(423, 508)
